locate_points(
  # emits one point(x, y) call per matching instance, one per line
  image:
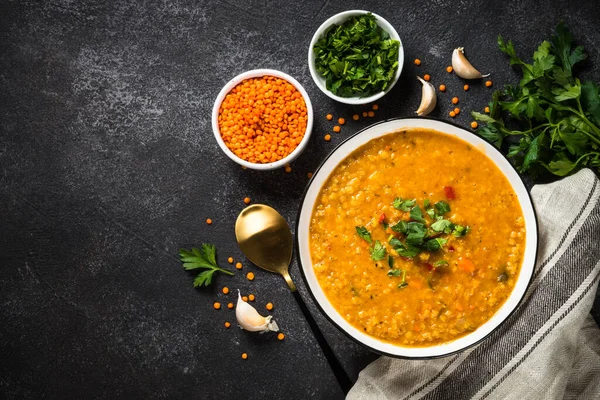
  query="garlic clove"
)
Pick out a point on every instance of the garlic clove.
point(428, 98)
point(462, 67)
point(249, 319)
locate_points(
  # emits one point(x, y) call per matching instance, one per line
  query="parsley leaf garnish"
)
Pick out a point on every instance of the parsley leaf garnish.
point(415, 233)
point(400, 227)
point(391, 261)
point(405, 250)
point(364, 234)
point(403, 205)
point(378, 251)
point(442, 225)
point(204, 258)
point(416, 214)
point(435, 244)
point(442, 207)
point(394, 272)
point(460, 231)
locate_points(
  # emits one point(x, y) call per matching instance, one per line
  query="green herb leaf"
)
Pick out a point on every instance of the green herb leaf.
point(442, 207)
point(394, 272)
point(204, 258)
point(442, 225)
point(435, 244)
point(460, 231)
point(378, 251)
point(415, 233)
point(390, 261)
point(440, 263)
point(426, 203)
point(400, 227)
point(364, 234)
point(416, 214)
point(403, 205)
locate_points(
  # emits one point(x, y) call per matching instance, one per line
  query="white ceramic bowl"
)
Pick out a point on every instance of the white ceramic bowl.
point(254, 74)
point(310, 197)
point(338, 19)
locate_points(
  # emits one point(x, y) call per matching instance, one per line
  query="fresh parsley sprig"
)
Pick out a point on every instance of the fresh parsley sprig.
point(204, 258)
point(557, 116)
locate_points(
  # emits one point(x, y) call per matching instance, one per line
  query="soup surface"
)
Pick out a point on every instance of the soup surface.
point(417, 238)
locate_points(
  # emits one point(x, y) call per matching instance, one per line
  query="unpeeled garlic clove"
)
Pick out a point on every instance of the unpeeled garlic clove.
point(428, 98)
point(249, 319)
point(462, 67)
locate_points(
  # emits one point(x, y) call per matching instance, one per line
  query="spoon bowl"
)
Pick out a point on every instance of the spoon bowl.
point(265, 238)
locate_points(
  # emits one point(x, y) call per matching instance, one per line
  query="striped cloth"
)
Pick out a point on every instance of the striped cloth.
point(550, 347)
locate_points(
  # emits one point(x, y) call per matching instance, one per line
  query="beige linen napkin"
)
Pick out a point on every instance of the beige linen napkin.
point(550, 347)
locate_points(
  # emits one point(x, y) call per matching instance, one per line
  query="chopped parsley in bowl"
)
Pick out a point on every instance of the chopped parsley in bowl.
point(355, 57)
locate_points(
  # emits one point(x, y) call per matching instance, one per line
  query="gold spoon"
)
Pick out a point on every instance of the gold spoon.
point(265, 238)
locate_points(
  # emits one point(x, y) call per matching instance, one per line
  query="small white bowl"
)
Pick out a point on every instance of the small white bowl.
point(255, 73)
point(311, 196)
point(339, 19)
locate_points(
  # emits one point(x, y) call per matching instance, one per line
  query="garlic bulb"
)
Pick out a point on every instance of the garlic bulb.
point(249, 319)
point(462, 67)
point(428, 98)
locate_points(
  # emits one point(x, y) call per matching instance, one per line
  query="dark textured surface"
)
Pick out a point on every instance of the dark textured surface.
point(108, 165)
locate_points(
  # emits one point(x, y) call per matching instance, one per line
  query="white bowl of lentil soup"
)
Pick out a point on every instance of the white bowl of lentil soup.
point(416, 238)
point(262, 119)
point(355, 57)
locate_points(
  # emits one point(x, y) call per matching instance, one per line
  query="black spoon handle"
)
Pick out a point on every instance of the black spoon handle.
point(339, 372)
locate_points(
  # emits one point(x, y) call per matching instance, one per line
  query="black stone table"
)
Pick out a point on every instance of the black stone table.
point(108, 165)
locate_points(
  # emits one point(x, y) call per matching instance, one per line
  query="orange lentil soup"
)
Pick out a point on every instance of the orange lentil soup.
point(262, 120)
point(417, 238)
